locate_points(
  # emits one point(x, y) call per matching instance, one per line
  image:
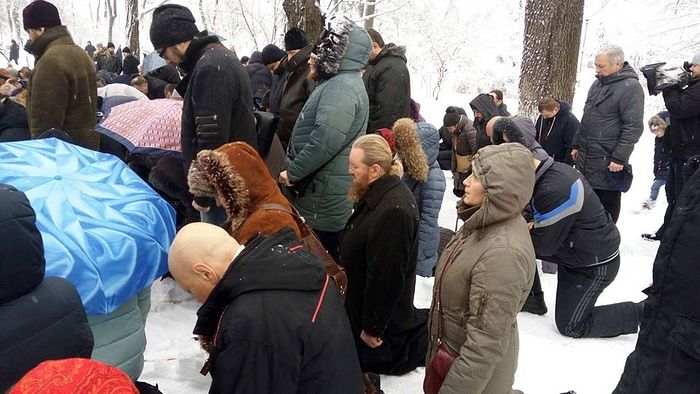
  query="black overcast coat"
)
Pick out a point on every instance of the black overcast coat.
point(667, 356)
point(379, 252)
point(277, 330)
point(218, 104)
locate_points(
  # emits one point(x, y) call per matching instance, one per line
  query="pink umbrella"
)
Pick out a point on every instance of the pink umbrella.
point(146, 126)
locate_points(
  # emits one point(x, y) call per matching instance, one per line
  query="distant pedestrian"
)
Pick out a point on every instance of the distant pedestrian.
point(14, 52)
point(90, 49)
point(659, 124)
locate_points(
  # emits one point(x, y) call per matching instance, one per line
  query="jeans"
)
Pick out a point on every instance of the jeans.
point(655, 187)
point(577, 292)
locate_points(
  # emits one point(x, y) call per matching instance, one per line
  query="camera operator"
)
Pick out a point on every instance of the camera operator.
point(684, 136)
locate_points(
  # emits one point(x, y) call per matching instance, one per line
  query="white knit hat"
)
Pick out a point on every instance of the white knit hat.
point(696, 58)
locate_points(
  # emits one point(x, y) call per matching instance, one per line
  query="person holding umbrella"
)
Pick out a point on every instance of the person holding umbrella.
point(217, 94)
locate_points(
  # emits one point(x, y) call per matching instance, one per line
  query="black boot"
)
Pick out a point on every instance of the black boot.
point(535, 304)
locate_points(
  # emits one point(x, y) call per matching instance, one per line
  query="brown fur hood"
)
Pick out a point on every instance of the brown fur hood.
point(409, 149)
point(237, 177)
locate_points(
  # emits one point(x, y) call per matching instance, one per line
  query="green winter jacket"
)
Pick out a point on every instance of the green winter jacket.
point(62, 91)
point(333, 117)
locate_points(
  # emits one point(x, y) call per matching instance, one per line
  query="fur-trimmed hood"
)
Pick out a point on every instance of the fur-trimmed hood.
point(390, 50)
point(410, 150)
point(345, 47)
point(236, 175)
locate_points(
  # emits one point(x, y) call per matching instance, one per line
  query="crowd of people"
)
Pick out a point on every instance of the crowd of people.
point(301, 157)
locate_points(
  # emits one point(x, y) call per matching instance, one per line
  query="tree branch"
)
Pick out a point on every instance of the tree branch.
point(376, 14)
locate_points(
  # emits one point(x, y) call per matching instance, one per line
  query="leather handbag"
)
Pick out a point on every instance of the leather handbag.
point(463, 162)
point(311, 242)
point(436, 372)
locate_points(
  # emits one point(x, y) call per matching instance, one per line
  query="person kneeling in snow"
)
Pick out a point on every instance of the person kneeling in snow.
point(271, 320)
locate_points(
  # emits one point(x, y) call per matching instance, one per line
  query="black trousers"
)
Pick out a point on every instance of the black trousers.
point(611, 201)
point(577, 292)
point(331, 240)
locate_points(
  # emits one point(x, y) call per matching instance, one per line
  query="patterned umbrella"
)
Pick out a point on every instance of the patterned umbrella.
point(146, 126)
point(104, 229)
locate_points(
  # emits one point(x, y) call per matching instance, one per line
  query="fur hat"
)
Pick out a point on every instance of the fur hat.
point(451, 117)
point(696, 59)
point(295, 38)
point(40, 13)
point(172, 24)
point(271, 53)
point(237, 175)
point(410, 150)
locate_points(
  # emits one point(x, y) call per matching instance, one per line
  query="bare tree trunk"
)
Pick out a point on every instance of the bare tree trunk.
point(132, 27)
point(16, 23)
point(305, 15)
point(369, 10)
point(112, 16)
point(550, 52)
point(201, 12)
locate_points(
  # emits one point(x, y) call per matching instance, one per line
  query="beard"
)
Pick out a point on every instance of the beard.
point(358, 189)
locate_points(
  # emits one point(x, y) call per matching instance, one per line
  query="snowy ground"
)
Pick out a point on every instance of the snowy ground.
point(549, 362)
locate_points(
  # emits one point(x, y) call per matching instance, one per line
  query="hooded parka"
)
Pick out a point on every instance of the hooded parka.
point(484, 276)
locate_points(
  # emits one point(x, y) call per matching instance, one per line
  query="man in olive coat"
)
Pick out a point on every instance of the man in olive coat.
point(62, 92)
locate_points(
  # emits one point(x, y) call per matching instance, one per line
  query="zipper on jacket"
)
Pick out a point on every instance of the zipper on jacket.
point(480, 311)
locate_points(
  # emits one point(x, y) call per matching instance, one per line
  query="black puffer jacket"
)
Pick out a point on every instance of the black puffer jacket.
point(684, 107)
point(279, 324)
point(42, 319)
point(130, 65)
point(612, 123)
point(218, 104)
point(388, 85)
point(571, 225)
point(260, 77)
point(556, 135)
point(667, 356)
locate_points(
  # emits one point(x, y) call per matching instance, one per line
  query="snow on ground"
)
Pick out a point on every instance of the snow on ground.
point(549, 362)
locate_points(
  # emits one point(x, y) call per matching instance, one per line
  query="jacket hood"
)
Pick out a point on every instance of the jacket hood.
point(268, 262)
point(484, 104)
point(430, 140)
point(391, 50)
point(237, 175)
point(564, 108)
point(255, 57)
point(625, 72)
point(507, 174)
point(345, 48)
point(194, 51)
point(41, 44)
point(411, 150)
point(22, 249)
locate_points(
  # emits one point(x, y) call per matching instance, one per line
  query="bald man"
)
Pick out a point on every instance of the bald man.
point(271, 318)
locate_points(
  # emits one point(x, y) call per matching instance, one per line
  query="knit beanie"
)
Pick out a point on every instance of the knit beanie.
point(40, 13)
point(172, 24)
point(110, 45)
point(696, 59)
point(451, 117)
point(295, 38)
point(271, 53)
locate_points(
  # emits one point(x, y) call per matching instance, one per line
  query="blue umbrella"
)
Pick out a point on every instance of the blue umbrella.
point(104, 229)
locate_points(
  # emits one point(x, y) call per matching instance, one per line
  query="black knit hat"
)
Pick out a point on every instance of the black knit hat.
point(271, 53)
point(110, 45)
point(126, 50)
point(451, 117)
point(40, 13)
point(172, 24)
point(295, 38)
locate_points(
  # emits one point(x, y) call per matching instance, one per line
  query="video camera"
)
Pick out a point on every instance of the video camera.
point(660, 77)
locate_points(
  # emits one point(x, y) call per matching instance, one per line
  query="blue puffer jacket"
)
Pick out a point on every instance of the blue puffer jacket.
point(429, 198)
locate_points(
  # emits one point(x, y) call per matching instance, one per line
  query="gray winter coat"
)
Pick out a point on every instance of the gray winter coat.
point(612, 123)
point(333, 117)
